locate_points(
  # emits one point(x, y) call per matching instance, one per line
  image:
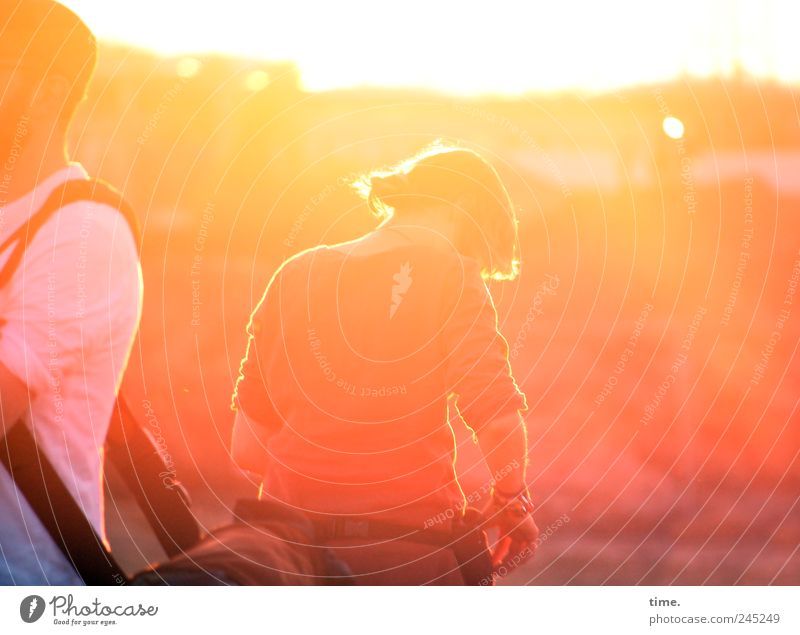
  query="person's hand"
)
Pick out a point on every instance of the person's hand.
point(517, 531)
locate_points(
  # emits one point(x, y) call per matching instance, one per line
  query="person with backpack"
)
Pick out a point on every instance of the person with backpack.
point(70, 284)
point(355, 351)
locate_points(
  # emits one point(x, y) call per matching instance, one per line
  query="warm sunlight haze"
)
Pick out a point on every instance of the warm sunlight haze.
point(404, 294)
point(504, 48)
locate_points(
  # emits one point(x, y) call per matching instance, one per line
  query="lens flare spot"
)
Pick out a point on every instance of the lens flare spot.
point(256, 80)
point(673, 127)
point(188, 67)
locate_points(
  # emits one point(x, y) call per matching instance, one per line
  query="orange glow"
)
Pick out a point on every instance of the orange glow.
point(654, 322)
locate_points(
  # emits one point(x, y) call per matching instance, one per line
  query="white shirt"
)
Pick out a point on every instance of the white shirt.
point(67, 321)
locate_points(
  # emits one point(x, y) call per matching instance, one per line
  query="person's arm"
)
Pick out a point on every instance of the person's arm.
point(504, 444)
point(479, 375)
point(489, 401)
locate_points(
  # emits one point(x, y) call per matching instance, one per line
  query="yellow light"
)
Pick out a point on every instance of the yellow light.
point(256, 80)
point(188, 67)
point(673, 127)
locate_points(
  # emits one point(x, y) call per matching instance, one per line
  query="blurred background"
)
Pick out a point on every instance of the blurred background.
point(654, 154)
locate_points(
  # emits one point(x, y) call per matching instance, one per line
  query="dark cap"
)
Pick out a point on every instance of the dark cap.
point(46, 35)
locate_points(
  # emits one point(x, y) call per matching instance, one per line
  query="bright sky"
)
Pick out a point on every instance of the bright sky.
point(499, 46)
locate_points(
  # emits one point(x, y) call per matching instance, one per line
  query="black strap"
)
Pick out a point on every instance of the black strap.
point(72, 191)
point(56, 508)
point(161, 497)
point(333, 527)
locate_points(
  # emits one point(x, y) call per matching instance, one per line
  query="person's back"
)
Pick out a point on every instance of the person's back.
point(360, 375)
point(354, 352)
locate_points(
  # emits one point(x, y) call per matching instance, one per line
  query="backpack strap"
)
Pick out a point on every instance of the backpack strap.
point(72, 191)
point(163, 500)
point(51, 501)
point(20, 454)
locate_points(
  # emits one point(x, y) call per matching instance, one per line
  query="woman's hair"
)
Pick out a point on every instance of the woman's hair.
point(463, 179)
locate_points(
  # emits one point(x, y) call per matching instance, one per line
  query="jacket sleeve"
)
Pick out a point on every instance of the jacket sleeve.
point(477, 369)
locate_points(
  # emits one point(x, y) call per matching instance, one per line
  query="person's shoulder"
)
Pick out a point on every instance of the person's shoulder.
point(462, 268)
point(302, 259)
point(88, 226)
point(447, 257)
point(92, 216)
point(295, 263)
